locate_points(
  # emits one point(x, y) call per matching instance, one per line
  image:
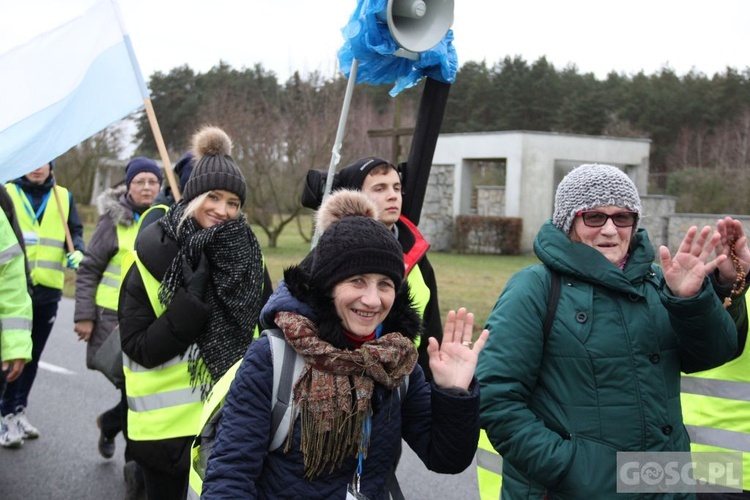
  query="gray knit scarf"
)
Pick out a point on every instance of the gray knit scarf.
point(234, 290)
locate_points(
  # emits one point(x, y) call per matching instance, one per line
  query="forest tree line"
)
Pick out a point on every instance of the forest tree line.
point(699, 125)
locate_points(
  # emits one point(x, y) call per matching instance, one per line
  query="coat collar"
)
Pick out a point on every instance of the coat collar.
point(560, 253)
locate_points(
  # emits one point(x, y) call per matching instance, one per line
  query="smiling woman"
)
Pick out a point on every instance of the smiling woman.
point(363, 301)
point(603, 374)
point(188, 311)
point(345, 312)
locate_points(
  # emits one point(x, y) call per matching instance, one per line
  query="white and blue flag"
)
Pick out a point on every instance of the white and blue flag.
point(61, 86)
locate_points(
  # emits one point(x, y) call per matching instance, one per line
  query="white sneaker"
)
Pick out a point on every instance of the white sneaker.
point(11, 435)
point(27, 430)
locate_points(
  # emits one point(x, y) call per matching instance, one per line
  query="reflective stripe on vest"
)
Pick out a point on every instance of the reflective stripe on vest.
point(108, 291)
point(7, 324)
point(489, 469)
point(192, 495)
point(9, 253)
point(716, 409)
point(162, 403)
point(45, 242)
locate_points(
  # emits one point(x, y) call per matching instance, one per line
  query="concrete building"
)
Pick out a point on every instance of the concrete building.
point(533, 164)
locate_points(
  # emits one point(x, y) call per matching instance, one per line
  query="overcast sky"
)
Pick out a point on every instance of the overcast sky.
point(305, 35)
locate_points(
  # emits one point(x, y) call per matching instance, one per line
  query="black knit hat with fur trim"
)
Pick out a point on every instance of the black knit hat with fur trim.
point(214, 168)
point(353, 242)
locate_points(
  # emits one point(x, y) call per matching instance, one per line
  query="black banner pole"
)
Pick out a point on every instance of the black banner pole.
point(429, 119)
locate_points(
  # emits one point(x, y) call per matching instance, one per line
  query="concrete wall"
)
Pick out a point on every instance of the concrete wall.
point(491, 201)
point(535, 163)
point(655, 211)
point(678, 224)
point(436, 220)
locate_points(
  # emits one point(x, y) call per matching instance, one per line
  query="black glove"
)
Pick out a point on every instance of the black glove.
point(196, 281)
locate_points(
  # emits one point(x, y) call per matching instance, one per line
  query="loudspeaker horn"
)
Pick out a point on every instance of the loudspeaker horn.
point(419, 25)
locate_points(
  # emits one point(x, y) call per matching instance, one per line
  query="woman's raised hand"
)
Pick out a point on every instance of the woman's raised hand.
point(732, 233)
point(453, 362)
point(685, 272)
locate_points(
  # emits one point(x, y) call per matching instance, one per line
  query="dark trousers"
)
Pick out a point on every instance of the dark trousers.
point(17, 392)
point(114, 419)
point(161, 486)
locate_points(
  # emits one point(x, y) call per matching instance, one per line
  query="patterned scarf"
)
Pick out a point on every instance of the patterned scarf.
point(335, 389)
point(233, 293)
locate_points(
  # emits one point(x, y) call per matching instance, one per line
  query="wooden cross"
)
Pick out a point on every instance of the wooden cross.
point(396, 133)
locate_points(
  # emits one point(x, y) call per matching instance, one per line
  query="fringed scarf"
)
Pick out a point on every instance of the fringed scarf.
point(334, 392)
point(233, 293)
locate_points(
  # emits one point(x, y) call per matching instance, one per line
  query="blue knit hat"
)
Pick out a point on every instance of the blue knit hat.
point(184, 167)
point(138, 165)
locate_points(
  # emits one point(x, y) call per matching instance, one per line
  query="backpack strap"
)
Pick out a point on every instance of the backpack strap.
point(287, 368)
point(554, 298)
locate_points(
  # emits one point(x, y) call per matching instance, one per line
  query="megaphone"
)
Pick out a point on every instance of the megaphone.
point(418, 25)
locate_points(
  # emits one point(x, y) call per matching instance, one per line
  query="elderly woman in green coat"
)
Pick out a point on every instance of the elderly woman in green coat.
point(606, 378)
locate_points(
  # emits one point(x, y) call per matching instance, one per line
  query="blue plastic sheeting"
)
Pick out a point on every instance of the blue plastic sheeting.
point(368, 40)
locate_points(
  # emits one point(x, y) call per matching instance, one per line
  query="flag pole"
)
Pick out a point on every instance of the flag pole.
point(68, 237)
point(162, 149)
point(160, 145)
point(336, 150)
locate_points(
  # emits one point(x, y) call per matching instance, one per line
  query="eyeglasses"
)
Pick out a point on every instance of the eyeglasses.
point(145, 182)
point(598, 219)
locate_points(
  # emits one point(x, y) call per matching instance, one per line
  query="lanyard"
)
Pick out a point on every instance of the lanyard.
point(366, 427)
point(29, 207)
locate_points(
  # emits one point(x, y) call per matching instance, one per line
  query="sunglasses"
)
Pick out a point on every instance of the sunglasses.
point(598, 219)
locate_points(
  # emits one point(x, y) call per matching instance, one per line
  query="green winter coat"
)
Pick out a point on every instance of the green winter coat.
point(608, 377)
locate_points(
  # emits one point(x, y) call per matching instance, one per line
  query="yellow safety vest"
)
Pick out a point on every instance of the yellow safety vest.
point(162, 404)
point(45, 242)
point(15, 317)
point(420, 294)
point(108, 291)
point(489, 469)
point(214, 401)
point(716, 409)
point(160, 206)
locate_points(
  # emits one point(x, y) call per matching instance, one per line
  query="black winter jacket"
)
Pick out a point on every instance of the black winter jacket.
point(150, 341)
point(441, 428)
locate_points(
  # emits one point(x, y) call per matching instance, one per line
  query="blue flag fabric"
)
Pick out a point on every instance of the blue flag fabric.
point(368, 40)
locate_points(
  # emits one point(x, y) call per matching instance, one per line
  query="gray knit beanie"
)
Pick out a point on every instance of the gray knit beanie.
point(591, 186)
point(353, 242)
point(214, 168)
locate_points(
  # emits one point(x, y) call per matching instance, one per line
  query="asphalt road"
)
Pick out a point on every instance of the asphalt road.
point(64, 462)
